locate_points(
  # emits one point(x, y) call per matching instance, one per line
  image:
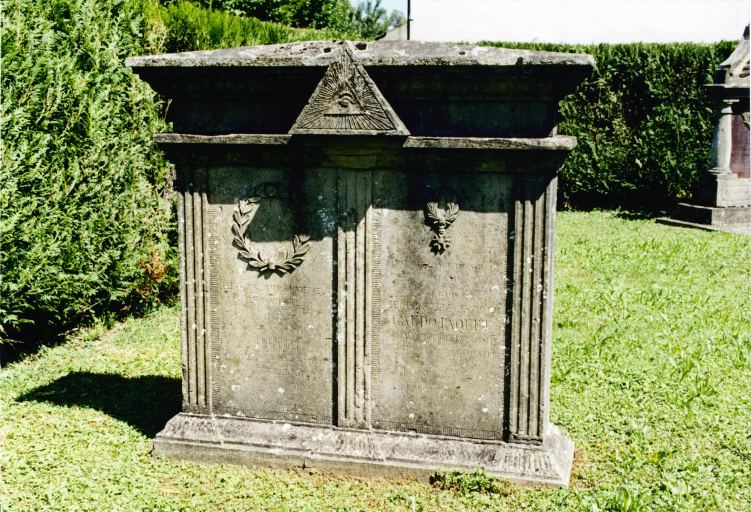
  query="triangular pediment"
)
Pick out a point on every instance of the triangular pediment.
point(347, 101)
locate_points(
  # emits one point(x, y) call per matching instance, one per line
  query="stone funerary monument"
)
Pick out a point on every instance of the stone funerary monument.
point(366, 237)
point(722, 198)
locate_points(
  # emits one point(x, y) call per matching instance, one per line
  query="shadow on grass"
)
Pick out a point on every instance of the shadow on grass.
point(638, 215)
point(145, 403)
point(13, 350)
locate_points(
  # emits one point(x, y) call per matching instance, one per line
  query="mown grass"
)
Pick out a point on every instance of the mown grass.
point(651, 378)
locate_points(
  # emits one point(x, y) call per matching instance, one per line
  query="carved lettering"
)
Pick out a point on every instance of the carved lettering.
point(443, 323)
point(271, 289)
point(491, 269)
point(350, 442)
point(438, 429)
point(279, 344)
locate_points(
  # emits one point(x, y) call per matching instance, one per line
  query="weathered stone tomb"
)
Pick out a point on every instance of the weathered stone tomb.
point(366, 237)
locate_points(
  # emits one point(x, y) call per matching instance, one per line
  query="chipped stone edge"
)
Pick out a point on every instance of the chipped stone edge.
point(367, 453)
point(229, 139)
point(396, 53)
point(555, 143)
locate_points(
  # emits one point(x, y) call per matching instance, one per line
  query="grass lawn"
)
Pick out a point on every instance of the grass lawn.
point(651, 378)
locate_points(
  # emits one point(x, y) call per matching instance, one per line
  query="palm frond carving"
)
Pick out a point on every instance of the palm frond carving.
point(440, 220)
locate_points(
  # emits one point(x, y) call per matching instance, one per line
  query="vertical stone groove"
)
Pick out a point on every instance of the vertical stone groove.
point(212, 336)
point(551, 192)
point(182, 242)
point(374, 307)
point(349, 296)
point(529, 357)
point(341, 310)
point(199, 322)
point(190, 293)
point(360, 271)
point(193, 295)
point(535, 340)
point(353, 300)
point(525, 270)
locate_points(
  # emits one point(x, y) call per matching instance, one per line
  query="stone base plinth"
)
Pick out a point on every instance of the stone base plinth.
point(723, 190)
point(734, 219)
point(219, 439)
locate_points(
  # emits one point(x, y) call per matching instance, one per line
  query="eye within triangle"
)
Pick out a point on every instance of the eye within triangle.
point(347, 101)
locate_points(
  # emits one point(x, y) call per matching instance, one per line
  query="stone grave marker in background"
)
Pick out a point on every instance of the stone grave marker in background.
point(366, 237)
point(722, 200)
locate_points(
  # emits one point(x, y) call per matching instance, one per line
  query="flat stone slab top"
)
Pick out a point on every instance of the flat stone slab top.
point(378, 53)
point(366, 239)
point(407, 87)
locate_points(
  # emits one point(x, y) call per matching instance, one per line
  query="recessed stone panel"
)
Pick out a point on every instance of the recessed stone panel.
point(443, 298)
point(274, 350)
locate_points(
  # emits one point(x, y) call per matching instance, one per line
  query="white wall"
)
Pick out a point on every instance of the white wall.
point(579, 21)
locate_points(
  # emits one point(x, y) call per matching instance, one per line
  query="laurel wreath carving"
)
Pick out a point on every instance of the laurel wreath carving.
point(440, 220)
point(293, 257)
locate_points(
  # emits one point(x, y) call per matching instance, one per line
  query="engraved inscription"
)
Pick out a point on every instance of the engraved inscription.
point(438, 429)
point(451, 324)
point(527, 462)
point(442, 314)
point(274, 358)
point(214, 324)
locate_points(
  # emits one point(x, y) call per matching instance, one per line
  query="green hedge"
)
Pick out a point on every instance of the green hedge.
point(192, 27)
point(86, 214)
point(321, 14)
point(644, 124)
point(84, 226)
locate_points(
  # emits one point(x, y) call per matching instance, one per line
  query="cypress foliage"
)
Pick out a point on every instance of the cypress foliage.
point(192, 27)
point(86, 214)
point(84, 222)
